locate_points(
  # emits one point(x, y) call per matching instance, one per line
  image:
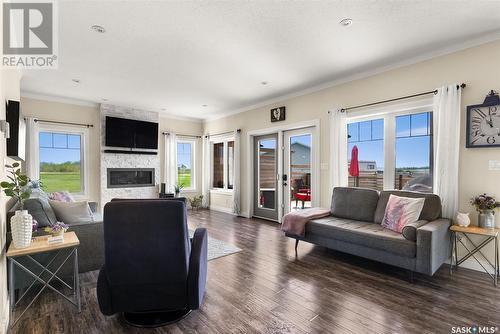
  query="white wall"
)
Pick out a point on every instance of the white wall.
point(478, 67)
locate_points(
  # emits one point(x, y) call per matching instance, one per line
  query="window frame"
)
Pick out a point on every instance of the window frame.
point(83, 132)
point(389, 114)
point(192, 142)
point(225, 159)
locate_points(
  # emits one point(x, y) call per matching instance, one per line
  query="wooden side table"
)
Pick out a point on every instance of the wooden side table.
point(41, 245)
point(490, 235)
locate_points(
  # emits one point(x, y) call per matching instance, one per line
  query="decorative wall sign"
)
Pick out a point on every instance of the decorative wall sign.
point(483, 122)
point(278, 114)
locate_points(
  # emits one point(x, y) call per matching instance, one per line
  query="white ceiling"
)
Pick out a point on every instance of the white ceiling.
point(181, 55)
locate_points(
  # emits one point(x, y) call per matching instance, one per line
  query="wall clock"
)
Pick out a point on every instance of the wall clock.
point(483, 123)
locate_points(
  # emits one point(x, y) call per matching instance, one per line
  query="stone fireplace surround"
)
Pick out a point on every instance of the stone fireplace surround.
point(127, 161)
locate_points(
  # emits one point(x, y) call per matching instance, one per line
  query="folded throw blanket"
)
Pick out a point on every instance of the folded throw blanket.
point(295, 222)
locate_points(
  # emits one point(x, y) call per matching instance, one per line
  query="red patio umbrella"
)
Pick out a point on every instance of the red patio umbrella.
point(354, 166)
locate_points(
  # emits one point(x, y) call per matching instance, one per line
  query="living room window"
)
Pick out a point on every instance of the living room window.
point(62, 159)
point(394, 151)
point(186, 164)
point(368, 138)
point(223, 164)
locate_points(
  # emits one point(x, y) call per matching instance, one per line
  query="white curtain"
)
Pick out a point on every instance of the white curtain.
point(206, 175)
point(170, 161)
point(446, 137)
point(338, 148)
point(32, 163)
point(236, 174)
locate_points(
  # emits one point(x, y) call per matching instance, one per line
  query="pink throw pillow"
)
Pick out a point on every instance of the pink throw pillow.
point(62, 196)
point(401, 211)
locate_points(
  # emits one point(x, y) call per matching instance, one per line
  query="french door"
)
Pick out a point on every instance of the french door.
point(266, 185)
point(298, 171)
point(284, 172)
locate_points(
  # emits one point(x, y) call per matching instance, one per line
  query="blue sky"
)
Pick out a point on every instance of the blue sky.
point(412, 140)
point(58, 148)
point(184, 154)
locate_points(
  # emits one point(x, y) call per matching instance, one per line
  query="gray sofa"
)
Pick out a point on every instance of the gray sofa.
point(354, 227)
point(90, 234)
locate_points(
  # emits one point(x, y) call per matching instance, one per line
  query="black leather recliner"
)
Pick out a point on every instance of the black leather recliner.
point(153, 272)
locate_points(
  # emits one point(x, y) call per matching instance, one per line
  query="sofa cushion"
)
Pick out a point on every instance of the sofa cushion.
point(354, 203)
point(431, 210)
point(72, 212)
point(38, 206)
point(362, 233)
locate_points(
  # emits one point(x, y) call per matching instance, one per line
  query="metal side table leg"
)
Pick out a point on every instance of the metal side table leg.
point(11, 290)
point(77, 282)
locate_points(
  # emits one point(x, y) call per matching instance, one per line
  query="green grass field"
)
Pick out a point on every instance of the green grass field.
point(184, 179)
point(61, 181)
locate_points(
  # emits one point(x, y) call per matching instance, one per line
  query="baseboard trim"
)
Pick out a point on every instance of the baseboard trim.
point(221, 209)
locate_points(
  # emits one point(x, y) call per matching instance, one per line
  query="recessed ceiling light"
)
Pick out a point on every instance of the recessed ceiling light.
point(163, 109)
point(345, 22)
point(98, 28)
point(75, 81)
point(263, 83)
point(105, 100)
point(204, 105)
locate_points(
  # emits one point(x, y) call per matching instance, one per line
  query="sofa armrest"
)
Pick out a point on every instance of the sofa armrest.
point(197, 276)
point(433, 245)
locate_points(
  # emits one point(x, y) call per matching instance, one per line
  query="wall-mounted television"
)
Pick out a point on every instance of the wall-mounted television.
point(122, 132)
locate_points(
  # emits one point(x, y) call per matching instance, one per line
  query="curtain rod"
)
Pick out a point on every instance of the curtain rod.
point(64, 123)
point(463, 85)
point(222, 133)
point(181, 135)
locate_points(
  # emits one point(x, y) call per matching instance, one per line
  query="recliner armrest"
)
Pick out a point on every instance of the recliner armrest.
point(433, 245)
point(197, 276)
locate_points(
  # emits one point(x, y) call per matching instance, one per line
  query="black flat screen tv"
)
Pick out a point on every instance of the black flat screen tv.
point(122, 132)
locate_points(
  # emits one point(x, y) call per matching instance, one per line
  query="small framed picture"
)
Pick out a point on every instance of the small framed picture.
point(278, 114)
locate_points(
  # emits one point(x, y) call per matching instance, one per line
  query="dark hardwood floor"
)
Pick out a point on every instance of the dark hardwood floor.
point(266, 289)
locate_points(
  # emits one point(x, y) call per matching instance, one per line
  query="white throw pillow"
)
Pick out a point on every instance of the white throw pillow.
point(401, 211)
point(72, 212)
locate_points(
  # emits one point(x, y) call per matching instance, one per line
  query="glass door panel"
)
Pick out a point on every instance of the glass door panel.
point(266, 170)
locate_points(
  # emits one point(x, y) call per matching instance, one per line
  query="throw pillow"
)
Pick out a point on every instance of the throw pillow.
point(62, 196)
point(72, 212)
point(38, 206)
point(401, 211)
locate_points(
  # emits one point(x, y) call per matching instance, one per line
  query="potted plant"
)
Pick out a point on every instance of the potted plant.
point(196, 202)
point(21, 224)
point(485, 205)
point(178, 189)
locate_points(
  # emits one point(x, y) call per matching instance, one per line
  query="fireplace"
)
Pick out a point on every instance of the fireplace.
point(131, 177)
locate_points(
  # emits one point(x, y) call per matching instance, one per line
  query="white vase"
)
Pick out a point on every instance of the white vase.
point(463, 219)
point(21, 226)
